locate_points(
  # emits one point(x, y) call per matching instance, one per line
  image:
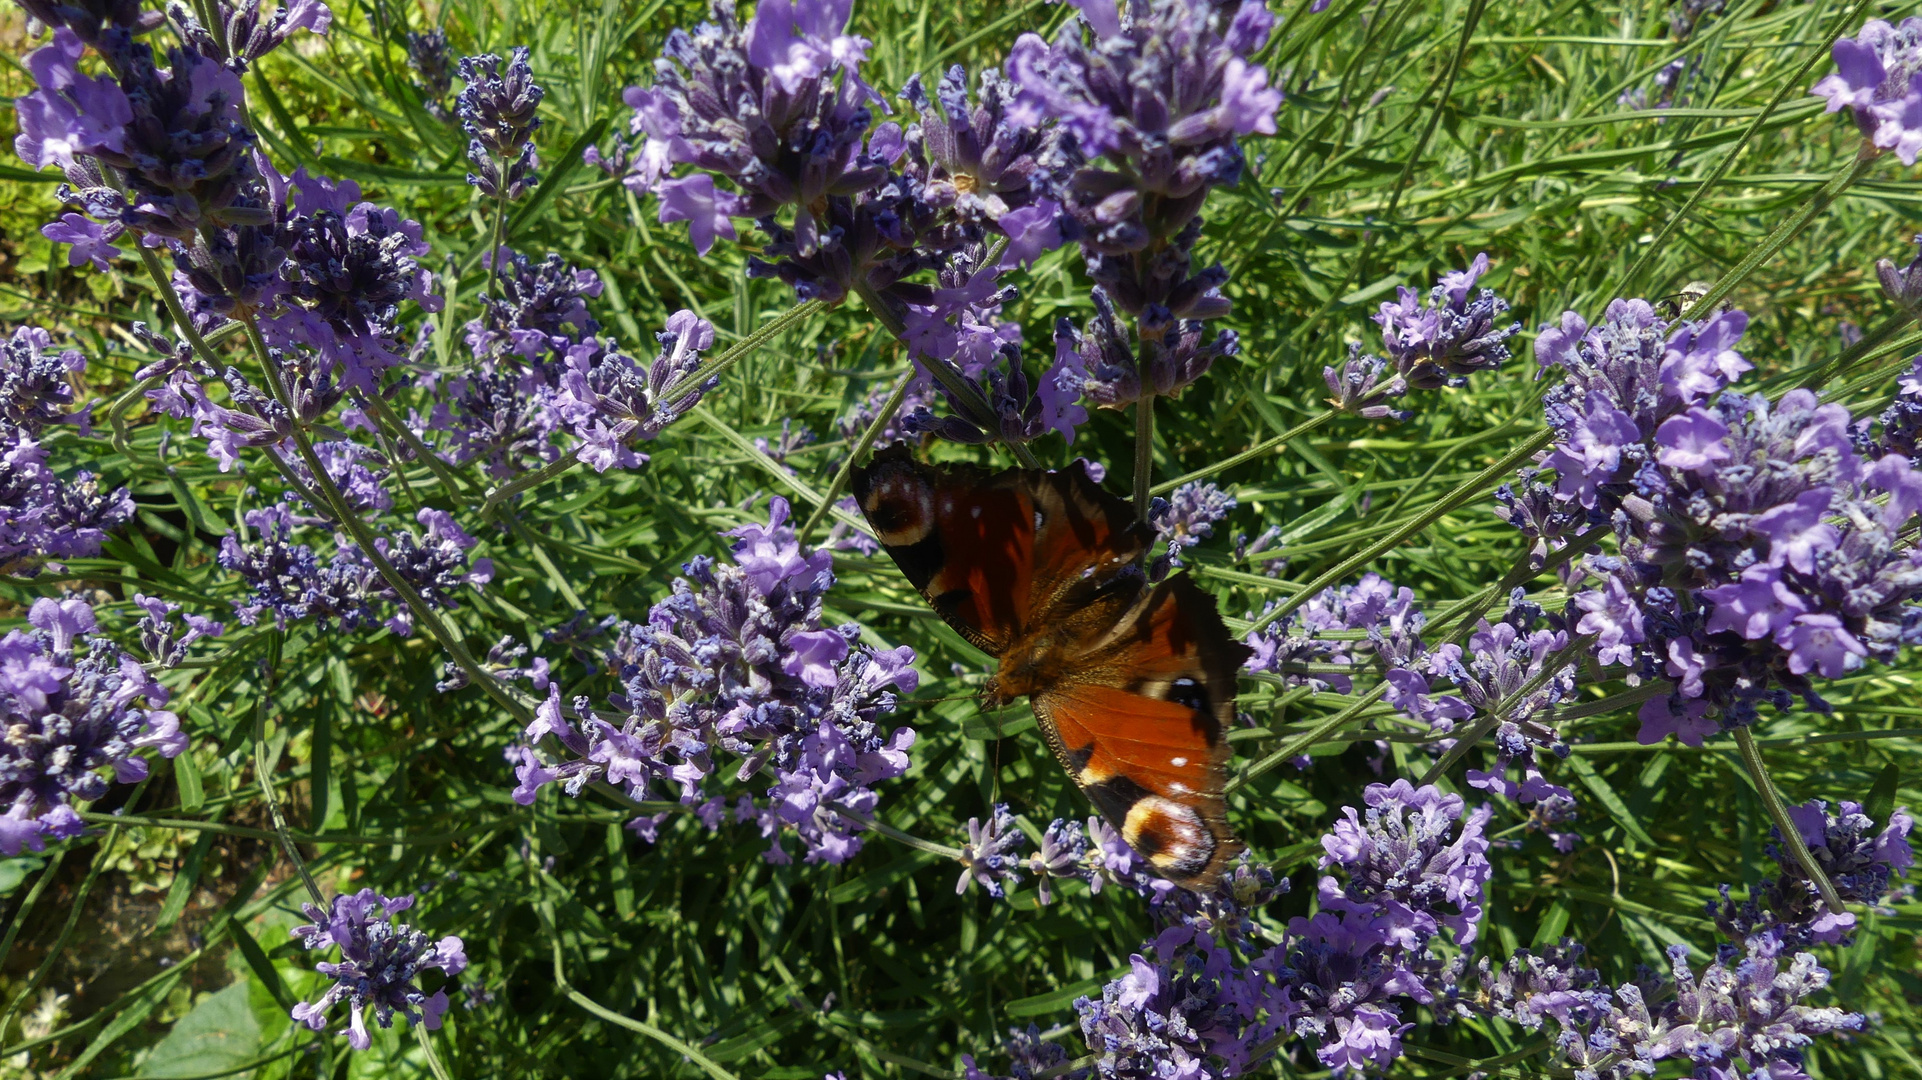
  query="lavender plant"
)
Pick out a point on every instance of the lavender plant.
point(334, 476)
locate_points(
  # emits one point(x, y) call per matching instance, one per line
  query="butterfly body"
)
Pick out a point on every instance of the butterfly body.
point(1133, 683)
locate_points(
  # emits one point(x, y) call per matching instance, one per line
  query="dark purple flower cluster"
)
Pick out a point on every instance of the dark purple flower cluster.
point(41, 513)
point(737, 660)
point(778, 109)
point(1861, 862)
point(429, 60)
point(1440, 343)
point(1028, 1056)
point(1202, 994)
point(541, 310)
point(1412, 868)
point(1878, 76)
point(1899, 429)
point(497, 112)
point(1099, 362)
point(288, 579)
point(1149, 99)
point(1757, 547)
point(240, 35)
point(76, 707)
point(381, 961)
point(1512, 670)
point(543, 375)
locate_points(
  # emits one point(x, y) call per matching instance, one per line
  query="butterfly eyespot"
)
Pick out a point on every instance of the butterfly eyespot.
point(1178, 762)
point(901, 510)
point(1172, 836)
point(1040, 519)
point(1185, 691)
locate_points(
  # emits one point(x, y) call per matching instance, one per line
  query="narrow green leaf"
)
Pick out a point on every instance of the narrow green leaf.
point(1056, 1000)
point(1610, 801)
point(1881, 800)
point(1554, 922)
point(321, 773)
point(262, 967)
point(186, 876)
point(187, 779)
point(556, 178)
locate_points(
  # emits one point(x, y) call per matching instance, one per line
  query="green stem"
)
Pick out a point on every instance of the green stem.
point(457, 489)
point(740, 350)
point(1260, 449)
point(1786, 231)
point(265, 771)
point(74, 907)
point(1415, 525)
point(1779, 813)
point(27, 905)
point(1144, 446)
point(861, 446)
point(433, 1060)
point(117, 417)
point(494, 253)
point(1789, 86)
point(332, 501)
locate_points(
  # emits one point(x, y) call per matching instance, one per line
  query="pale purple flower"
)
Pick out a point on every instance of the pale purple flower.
point(88, 241)
point(78, 713)
point(380, 965)
point(1878, 77)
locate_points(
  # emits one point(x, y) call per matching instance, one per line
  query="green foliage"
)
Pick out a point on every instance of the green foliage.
point(1391, 167)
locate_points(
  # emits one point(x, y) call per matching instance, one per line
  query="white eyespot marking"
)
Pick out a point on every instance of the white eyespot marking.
point(1038, 520)
point(947, 505)
point(1178, 762)
point(1171, 835)
point(975, 513)
point(1180, 788)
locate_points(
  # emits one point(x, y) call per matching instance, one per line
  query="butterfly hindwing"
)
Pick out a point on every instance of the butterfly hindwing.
point(992, 551)
point(1142, 730)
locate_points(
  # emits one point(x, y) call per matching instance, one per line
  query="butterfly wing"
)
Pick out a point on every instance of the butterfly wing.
point(1142, 729)
point(992, 552)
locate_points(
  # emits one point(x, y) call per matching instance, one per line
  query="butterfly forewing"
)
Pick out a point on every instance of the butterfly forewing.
point(991, 551)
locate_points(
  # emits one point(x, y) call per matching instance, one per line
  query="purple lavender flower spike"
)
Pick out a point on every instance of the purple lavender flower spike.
point(79, 711)
point(70, 114)
point(1449, 338)
point(736, 661)
point(1876, 78)
point(240, 34)
point(1755, 551)
point(431, 62)
point(381, 960)
point(1864, 864)
point(161, 639)
point(498, 113)
point(1401, 864)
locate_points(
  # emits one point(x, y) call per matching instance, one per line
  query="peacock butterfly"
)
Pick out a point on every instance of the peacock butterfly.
point(1133, 683)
